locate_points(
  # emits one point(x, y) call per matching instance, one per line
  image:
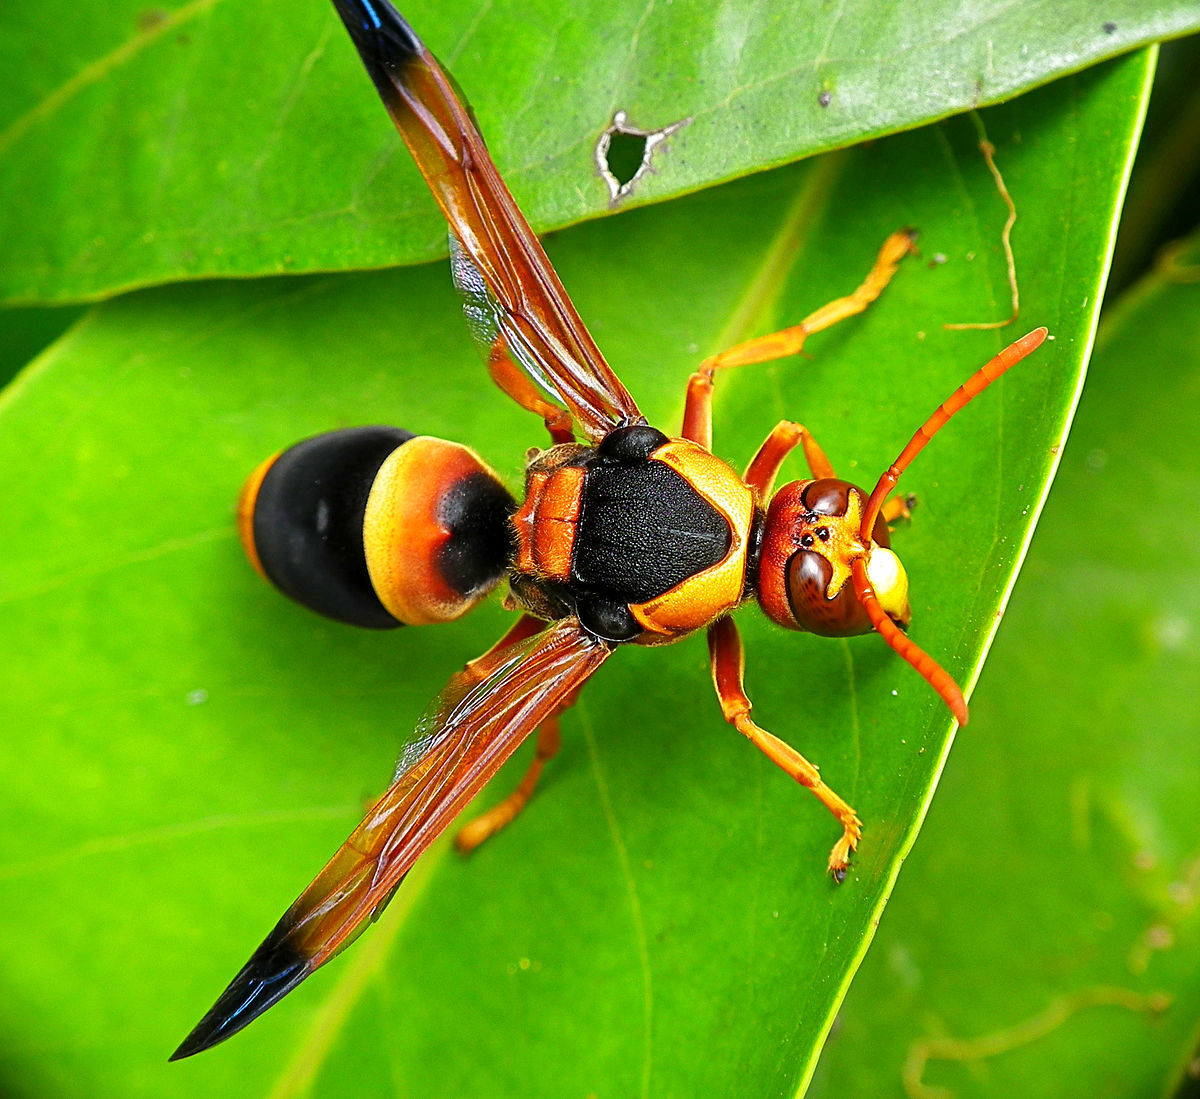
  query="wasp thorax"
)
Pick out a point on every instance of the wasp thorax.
point(811, 539)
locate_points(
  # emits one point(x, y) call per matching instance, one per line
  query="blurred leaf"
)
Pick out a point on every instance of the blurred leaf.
point(1061, 854)
point(144, 145)
point(188, 747)
point(1164, 189)
point(26, 332)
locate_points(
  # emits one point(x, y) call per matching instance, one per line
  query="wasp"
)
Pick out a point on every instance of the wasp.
point(624, 535)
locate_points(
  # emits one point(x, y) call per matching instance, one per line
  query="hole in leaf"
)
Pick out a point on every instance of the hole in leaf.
point(624, 153)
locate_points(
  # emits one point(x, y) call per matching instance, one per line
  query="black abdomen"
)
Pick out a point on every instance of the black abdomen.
point(376, 527)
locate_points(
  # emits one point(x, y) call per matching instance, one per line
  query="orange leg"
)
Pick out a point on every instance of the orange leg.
point(728, 667)
point(697, 416)
point(487, 824)
point(518, 385)
point(789, 341)
point(764, 466)
point(898, 509)
point(697, 410)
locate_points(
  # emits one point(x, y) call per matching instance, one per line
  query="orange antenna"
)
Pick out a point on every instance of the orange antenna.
point(959, 399)
point(928, 668)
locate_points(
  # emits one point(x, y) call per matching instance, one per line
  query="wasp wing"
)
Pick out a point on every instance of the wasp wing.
point(471, 728)
point(515, 301)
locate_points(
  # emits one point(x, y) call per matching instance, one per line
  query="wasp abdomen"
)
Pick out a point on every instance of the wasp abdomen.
point(377, 527)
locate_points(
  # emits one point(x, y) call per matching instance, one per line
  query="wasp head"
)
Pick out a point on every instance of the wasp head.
point(811, 539)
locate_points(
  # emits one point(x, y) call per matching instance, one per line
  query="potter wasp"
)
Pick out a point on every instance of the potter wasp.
point(624, 535)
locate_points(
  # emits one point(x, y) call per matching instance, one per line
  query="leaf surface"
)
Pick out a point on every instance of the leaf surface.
point(146, 145)
point(1056, 879)
point(188, 748)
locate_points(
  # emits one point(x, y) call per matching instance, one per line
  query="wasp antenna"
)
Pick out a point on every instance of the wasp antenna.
point(928, 668)
point(273, 970)
point(962, 396)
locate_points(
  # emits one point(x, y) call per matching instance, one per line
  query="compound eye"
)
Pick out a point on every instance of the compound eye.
point(808, 577)
point(827, 496)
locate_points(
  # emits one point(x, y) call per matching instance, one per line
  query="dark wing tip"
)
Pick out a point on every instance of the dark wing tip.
point(385, 42)
point(273, 970)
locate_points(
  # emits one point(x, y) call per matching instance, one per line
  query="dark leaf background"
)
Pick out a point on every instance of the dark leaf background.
point(185, 748)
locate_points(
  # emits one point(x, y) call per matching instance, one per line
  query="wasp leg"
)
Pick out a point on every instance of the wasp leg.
point(789, 341)
point(487, 824)
point(518, 385)
point(764, 466)
point(898, 509)
point(697, 415)
point(697, 410)
point(728, 666)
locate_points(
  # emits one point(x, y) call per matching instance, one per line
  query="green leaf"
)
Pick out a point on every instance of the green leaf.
point(186, 748)
point(1059, 865)
point(26, 332)
point(197, 139)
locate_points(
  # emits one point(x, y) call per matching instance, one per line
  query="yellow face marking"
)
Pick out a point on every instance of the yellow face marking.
point(890, 583)
point(842, 546)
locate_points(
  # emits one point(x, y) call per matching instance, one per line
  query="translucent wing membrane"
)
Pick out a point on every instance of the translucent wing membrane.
point(471, 728)
point(516, 303)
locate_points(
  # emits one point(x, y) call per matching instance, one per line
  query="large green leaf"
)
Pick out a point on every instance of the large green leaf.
point(185, 748)
point(198, 139)
point(1056, 881)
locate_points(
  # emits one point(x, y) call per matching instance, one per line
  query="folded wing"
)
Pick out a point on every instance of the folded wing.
point(515, 300)
point(471, 728)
